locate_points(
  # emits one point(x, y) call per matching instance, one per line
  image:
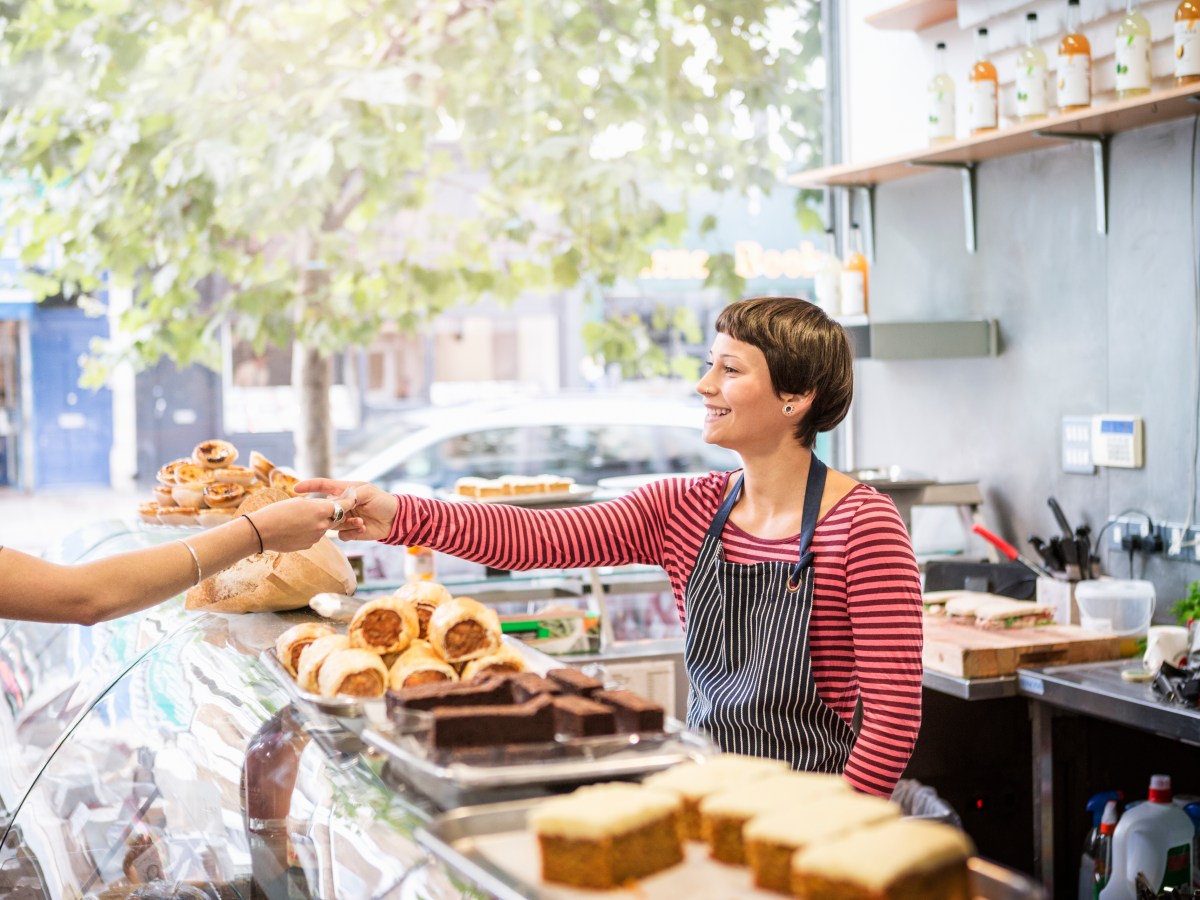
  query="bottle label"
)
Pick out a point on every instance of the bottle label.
point(1133, 62)
point(854, 295)
point(1074, 79)
point(1179, 867)
point(981, 104)
point(1187, 48)
point(1031, 91)
point(941, 115)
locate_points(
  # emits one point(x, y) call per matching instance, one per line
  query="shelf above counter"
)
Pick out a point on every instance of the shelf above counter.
point(914, 15)
point(909, 340)
point(1101, 120)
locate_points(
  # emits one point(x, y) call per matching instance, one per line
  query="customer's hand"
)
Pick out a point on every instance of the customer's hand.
point(298, 524)
point(374, 510)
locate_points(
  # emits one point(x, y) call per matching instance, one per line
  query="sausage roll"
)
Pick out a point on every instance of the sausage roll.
point(425, 596)
point(215, 454)
point(290, 644)
point(384, 625)
point(463, 628)
point(313, 657)
point(419, 664)
point(359, 673)
point(505, 660)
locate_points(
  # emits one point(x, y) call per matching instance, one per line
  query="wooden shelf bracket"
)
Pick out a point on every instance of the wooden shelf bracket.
point(1099, 144)
point(967, 170)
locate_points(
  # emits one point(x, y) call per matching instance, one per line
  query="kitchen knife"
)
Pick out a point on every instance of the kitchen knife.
point(1067, 531)
point(1011, 552)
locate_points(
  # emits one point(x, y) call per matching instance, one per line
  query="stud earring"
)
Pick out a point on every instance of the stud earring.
point(789, 409)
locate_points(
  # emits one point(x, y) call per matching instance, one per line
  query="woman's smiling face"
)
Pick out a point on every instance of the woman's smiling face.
point(741, 407)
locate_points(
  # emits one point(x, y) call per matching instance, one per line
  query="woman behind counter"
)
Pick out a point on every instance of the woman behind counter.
point(796, 585)
point(41, 591)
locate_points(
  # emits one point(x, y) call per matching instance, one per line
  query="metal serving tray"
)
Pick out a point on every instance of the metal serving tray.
point(490, 846)
point(525, 770)
point(372, 709)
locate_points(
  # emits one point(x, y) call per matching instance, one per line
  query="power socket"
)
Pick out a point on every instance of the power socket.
point(1131, 532)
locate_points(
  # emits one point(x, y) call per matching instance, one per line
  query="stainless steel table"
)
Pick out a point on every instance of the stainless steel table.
point(1097, 690)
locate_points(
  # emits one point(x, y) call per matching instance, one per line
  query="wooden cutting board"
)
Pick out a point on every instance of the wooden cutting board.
point(969, 652)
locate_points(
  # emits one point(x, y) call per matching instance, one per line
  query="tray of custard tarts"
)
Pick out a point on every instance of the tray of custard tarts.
point(208, 487)
point(723, 827)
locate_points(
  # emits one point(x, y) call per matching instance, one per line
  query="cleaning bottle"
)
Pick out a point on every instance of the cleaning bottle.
point(1103, 850)
point(1153, 838)
point(1193, 813)
point(1095, 808)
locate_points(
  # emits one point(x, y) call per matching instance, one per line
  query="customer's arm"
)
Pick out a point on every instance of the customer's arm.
point(33, 589)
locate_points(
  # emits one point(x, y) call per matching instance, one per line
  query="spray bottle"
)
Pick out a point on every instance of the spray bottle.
point(1153, 838)
point(1095, 806)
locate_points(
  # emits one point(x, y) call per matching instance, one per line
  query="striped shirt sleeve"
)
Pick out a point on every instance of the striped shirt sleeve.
point(883, 600)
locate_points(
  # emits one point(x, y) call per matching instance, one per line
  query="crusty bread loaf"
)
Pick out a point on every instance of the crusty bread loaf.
point(273, 581)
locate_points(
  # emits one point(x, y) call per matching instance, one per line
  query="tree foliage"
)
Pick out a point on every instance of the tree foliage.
point(333, 166)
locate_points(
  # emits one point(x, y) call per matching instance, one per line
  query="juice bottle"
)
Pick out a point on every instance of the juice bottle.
point(1187, 42)
point(1074, 65)
point(419, 564)
point(1132, 53)
point(941, 99)
point(827, 282)
point(1031, 74)
point(982, 113)
point(854, 277)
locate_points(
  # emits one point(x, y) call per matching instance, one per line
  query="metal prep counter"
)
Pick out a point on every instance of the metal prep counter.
point(1096, 693)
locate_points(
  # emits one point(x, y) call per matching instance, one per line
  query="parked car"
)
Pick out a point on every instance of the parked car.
point(589, 438)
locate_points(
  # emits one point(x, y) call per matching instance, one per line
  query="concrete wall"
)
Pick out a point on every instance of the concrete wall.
point(1088, 324)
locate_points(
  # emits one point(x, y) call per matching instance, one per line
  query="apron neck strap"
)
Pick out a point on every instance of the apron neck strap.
point(813, 491)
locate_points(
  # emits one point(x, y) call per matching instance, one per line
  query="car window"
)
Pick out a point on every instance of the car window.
point(586, 453)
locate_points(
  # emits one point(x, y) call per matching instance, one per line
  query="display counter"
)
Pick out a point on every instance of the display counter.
point(160, 749)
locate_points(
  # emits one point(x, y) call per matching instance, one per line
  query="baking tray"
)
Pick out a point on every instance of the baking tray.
point(525, 770)
point(490, 846)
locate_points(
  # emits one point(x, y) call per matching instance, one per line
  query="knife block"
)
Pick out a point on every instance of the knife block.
point(1059, 596)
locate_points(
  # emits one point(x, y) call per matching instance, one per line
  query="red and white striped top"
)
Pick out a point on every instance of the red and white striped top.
point(865, 629)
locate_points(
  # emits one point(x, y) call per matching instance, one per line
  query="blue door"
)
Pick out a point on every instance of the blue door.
point(72, 425)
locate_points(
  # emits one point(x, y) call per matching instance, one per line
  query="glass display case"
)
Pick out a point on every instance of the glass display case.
point(155, 755)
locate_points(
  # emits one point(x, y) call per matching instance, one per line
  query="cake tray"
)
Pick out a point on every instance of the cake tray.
point(491, 847)
point(478, 775)
point(373, 709)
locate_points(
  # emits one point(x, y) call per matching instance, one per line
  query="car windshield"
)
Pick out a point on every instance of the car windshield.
point(586, 453)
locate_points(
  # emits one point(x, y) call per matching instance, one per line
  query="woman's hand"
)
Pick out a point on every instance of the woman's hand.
point(297, 524)
point(374, 510)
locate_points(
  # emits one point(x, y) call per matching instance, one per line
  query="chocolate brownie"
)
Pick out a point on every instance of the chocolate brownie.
point(581, 717)
point(475, 726)
point(633, 712)
point(528, 685)
point(489, 692)
point(572, 681)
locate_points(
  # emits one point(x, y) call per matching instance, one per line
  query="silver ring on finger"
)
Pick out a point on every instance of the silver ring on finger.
point(338, 514)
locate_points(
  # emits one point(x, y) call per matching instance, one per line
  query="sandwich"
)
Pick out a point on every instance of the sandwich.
point(995, 613)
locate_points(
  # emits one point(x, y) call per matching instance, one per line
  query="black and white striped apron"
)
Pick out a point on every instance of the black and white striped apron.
point(747, 653)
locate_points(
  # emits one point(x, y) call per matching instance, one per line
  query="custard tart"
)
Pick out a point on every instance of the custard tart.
point(235, 475)
point(224, 496)
point(215, 454)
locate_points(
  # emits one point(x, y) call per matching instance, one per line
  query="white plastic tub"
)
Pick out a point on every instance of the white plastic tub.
point(1119, 606)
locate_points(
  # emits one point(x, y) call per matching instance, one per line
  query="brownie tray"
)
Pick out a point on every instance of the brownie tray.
point(452, 779)
point(491, 847)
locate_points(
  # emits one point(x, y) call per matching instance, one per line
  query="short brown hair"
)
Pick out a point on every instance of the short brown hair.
point(806, 351)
